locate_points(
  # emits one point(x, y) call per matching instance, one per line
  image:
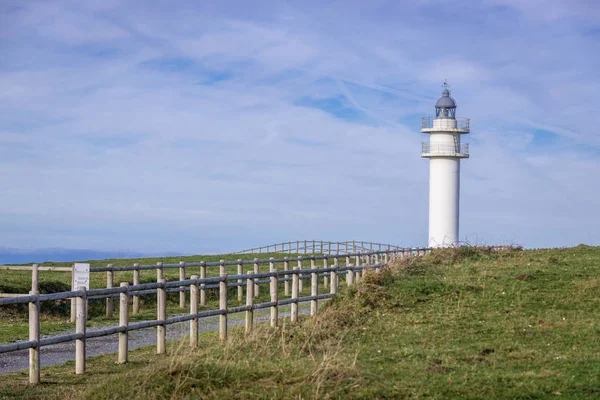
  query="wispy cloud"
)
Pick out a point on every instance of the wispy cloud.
point(210, 126)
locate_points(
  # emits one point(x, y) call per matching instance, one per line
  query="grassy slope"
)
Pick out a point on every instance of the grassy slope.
point(457, 324)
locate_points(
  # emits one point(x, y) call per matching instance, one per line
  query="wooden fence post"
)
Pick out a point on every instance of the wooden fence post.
point(81, 318)
point(35, 278)
point(336, 264)
point(286, 283)
point(350, 277)
point(123, 323)
point(240, 289)
point(110, 281)
point(295, 287)
point(136, 281)
point(274, 295)
point(159, 278)
point(194, 312)
point(34, 336)
point(348, 274)
point(256, 288)
point(300, 283)
point(333, 281)
point(314, 288)
point(223, 302)
point(325, 278)
point(182, 278)
point(161, 311)
point(250, 302)
point(159, 271)
point(203, 285)
point(367, 264)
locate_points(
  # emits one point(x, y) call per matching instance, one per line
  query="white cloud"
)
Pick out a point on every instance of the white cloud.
point(101, 149)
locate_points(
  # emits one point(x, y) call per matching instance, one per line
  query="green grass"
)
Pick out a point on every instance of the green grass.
point(464, 324)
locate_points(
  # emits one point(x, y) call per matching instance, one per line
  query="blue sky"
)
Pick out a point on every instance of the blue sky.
point(213, 126)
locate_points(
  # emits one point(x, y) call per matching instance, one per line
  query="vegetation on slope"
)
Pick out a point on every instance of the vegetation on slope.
point(461, 323)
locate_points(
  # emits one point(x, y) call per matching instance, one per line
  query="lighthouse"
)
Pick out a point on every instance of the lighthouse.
point(444, 151)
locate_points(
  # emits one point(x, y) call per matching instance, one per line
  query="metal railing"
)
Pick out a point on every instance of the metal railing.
point(461, 123)
point(313, 246)
point(198, 286)
point(460, 150)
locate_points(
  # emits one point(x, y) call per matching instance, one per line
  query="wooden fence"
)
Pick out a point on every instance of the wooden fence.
point(313, 246)
point(297, 247)
point(197, 286)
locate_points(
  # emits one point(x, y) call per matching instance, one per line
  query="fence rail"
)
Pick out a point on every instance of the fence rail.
point(313, 246)
point(197, 287)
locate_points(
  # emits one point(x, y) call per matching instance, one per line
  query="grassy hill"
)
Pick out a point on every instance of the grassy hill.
point(463, 323)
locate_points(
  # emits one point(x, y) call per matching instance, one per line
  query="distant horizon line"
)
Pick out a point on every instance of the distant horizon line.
point(63, 254)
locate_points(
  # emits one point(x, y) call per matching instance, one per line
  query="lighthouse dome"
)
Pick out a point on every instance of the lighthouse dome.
point(445, 106)
point(446, 101)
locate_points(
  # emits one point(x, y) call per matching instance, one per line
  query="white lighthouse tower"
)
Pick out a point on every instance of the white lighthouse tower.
point(444, 151)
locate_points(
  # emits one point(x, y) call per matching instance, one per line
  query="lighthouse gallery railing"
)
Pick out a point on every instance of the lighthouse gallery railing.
point(461, 123)
point(445, 149)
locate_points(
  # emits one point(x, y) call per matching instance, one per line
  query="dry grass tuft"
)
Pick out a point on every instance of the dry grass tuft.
point(302, 360)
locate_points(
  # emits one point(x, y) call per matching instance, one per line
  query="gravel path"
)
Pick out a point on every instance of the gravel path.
point(58, 354)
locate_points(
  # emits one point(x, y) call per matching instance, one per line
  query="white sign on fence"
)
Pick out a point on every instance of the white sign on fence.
point(81, 275)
